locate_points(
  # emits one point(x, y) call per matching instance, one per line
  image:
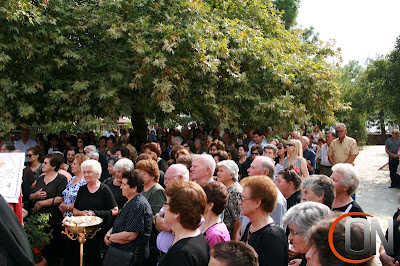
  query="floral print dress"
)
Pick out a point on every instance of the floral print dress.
point(70, 193)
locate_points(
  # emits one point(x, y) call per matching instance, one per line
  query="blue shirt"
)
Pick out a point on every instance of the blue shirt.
point(310, 155)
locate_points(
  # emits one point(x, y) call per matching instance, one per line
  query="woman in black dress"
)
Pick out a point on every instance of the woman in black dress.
point(186, 202)
point(132, 227)
point(45, 198)
point(94, 198)
point(268, 239)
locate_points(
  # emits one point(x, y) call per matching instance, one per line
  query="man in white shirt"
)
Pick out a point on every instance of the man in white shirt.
point(325, 167)
point(25, 142)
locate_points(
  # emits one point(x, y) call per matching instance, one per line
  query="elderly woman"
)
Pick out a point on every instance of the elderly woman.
point(71, 191)
point(227, 174)
point(214, 228)
point(95, 198)
point(319, 188)
point(295, 158)
point(152, 191)
point(186, 202)
point(268, 239)
point(346, 183)
point(45, 197)
point(320, 252)
point(114, 183)
point(289, 183)
point(34, 155)
point(132, 227)
point(299, 221)
point(155, 195)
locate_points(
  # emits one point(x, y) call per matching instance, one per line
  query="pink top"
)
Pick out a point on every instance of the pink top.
point(216, 234)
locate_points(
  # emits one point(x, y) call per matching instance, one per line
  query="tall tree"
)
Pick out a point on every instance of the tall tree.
point(224, 62)
point(290, 11)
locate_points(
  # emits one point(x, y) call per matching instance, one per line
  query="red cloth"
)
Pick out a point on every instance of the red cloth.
point(17, 208)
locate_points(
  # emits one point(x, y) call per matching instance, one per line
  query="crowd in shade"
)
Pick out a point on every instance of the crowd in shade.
point(193, 196)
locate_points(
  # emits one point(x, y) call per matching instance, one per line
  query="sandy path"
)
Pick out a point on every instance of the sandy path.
point(374, 194)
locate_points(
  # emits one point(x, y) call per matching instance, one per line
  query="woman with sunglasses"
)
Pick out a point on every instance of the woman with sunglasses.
point(295, 158)
point(282, 148)
point(80, 146)
point(34, 156)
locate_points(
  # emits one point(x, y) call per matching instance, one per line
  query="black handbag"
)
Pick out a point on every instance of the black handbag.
point(115, 256)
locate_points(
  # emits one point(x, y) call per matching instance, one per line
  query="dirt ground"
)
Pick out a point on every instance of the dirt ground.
point(374, 194)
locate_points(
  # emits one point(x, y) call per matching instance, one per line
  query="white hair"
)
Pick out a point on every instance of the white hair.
point(341, 125)
point(95, 165)
point(349, 176)
point(267, 164)
point(304, 215)
point(297, 133)
point(93, 154)
point(208, 161)
point(124, 165)
point(180, 170)
point(305, 139)
point(90, 147)
point(232, 168)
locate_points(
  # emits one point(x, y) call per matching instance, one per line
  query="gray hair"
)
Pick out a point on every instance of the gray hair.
point(124, 165)
point(271, 147)
point(305, 139)
point(306, 214)
point(181, 170)
point(297, 133)
point(90, 147)
point(341, 125)
point(93, 153)
point(177, 139)
point(232, 168)
point(321, 185)
point(349, 176)
point(208, 161)
point(267, 164)
point(95, 165)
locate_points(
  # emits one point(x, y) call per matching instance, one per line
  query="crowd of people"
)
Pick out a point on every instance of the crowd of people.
point(195, 197)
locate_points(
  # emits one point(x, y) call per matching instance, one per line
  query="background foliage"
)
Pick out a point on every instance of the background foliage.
point(231, 63)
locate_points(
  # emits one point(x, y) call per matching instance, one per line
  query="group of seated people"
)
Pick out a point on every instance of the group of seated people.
point(193, 204)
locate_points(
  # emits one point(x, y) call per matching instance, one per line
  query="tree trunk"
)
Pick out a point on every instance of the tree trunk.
point(382, 123)
point(140, 128)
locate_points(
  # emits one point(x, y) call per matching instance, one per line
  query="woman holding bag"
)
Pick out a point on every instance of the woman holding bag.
point(128, 239)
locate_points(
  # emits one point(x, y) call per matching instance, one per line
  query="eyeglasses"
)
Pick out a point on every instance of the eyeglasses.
point(80, 141)
point(339, 131)
point(395, 133)
point(30, 155)
point(185, 146)
point(255, 153)
point(242, 199)
point(279, 148)
point(290, 144)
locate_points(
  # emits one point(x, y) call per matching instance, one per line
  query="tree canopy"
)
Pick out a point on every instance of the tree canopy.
point(231, 63)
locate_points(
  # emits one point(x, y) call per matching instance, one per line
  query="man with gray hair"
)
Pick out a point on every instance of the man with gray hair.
point(295, 135)
point(263, 165)
point(343, 149)
point(308, 154)
point(203, 167)
point(392, 147)
point(165, 238)
point(346, 183)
